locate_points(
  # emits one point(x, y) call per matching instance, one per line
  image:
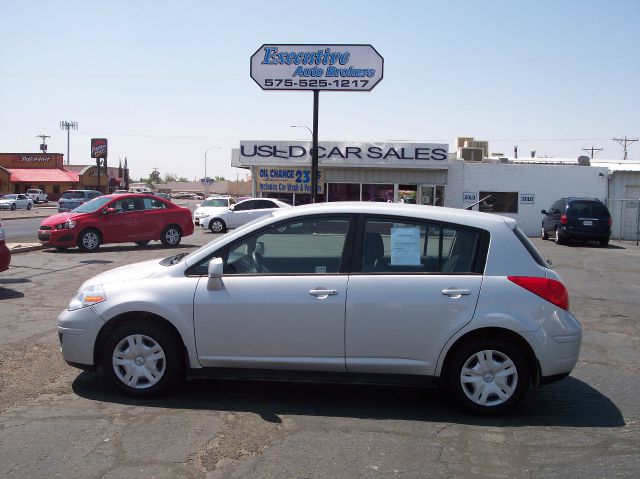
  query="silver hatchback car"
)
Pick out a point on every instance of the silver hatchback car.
point(350, 291)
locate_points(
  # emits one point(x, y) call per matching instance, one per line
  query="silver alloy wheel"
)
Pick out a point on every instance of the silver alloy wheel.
point(139, 361)
point(489, 378)
point(90, 240)
point(216, 226)
point(172, 236)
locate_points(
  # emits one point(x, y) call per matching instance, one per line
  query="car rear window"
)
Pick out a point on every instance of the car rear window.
point(535, 254)
point(70, 195)
point(587, 209)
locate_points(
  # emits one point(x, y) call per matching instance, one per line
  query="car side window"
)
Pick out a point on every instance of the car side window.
point(418, 247)
point(153, 204)
point(263, 204)
point(245, 205)
point(125, 205)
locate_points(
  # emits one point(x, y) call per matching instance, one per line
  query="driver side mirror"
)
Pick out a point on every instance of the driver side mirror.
point(215, 271)
point(544, 212)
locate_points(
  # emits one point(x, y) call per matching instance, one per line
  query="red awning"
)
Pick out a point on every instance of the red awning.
point(42, 175)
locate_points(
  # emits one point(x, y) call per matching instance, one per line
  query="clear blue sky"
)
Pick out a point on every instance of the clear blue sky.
point(163, 81)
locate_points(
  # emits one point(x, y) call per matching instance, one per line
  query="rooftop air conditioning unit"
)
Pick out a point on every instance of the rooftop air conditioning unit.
point(472, 154)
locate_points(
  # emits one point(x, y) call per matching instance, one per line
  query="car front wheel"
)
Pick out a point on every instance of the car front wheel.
point(28, 206)
point(13, 207)
point(89, 240)
point(142, 359)
point(171, 236)
point(488, 376)
point(216, 225)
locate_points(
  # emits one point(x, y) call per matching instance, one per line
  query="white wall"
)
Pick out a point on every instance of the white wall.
point(547, 183)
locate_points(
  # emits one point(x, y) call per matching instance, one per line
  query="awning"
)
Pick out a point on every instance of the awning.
point(42, 175)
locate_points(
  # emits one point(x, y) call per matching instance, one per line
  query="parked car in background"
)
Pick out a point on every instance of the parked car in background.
point(212, 205)
point(38, 196)
point(166, 196)
point(367, 291)
point(71, 199)
point(5, 254)
point(577, 219)
point(136, 218)
point(120, 192)
point(240, 214)
point(16, 201)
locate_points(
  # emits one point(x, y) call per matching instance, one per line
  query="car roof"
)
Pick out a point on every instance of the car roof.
point(435, 213)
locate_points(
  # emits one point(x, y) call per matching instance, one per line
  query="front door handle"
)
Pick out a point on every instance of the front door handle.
point(455, 293)
point(323, 293)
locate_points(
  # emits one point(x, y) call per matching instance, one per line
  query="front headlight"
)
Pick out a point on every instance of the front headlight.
point(67, 225)
point(87, 297)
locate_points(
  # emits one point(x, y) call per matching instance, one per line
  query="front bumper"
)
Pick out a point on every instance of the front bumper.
point(62, 238)
point(78, 331)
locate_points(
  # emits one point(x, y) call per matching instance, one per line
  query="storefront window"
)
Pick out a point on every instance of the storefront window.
point(381, 193)
point(407, 193)
point(499, 202)
point(343, 191)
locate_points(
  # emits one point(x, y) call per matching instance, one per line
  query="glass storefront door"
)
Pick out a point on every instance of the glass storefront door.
point(426, 195)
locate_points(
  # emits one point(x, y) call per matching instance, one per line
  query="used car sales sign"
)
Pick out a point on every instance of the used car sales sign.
point(317, 67)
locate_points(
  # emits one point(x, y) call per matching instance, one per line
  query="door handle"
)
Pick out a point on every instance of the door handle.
point(455, 293)
point(323, 293)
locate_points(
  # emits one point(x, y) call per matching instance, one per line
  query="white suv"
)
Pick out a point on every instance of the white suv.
point(38, 196)
point(364, 291)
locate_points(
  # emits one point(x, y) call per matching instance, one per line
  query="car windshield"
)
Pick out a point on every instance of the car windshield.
point(220, 202)
point(93, 205)
point(10, 197)
point(70, 195)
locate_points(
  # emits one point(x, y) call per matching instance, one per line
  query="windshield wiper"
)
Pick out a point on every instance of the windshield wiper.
point(171, 260)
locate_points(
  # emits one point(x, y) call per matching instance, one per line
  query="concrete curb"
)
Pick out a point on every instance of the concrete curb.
point(16, 248)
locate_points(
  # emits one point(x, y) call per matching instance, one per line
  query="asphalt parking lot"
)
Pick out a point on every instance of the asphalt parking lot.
point(56, 421)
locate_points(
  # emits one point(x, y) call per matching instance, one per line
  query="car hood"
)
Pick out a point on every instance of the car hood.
point(128, 272)
point(210, 210)
point(61, 218)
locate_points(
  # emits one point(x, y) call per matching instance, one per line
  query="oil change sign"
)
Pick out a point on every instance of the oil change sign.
point(317, 67)
point(287, 180)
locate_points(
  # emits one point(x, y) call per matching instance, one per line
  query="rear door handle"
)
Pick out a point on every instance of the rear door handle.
point(455, 293)
point(323, 293)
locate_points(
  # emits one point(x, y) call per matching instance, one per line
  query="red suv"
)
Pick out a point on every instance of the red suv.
point(117, 219)
point(5, 254)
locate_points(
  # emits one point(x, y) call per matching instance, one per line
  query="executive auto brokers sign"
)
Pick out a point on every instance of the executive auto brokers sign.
point(317, 67)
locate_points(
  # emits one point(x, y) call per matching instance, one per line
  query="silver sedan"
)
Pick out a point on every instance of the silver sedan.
point(15, 201)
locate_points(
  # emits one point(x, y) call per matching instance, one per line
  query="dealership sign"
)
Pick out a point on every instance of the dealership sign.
point(317, 67)
point(98, 147)
point(286, 180)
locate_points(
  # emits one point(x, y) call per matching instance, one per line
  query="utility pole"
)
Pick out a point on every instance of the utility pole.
point(43, 145)
point(68, 125)
point(624, 142)
point(592, 150)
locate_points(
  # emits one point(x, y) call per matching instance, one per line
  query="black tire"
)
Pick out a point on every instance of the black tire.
point(35, 202)
point(89, 240)
point(603, 242)
point(13, 207)
point(544, 235)
point(500, 396)
point(142, 243)
point(171, 236)
point(558, 238)
point(28, 206)
point(216, 225)
point(152, 350)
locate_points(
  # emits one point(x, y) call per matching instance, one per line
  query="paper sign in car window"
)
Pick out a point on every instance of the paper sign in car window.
point(405, 246)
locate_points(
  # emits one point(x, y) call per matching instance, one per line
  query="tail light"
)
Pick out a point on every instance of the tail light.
point(550, 289)
point(610, 222)
point(563, 219)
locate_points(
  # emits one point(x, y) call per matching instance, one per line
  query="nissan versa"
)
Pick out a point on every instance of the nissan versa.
point(346, 291)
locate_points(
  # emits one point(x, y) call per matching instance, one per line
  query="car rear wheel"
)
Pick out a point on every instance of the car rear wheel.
point(558, 238)
point(142, 243)
point(604, 242)
point(142, 359)
point(544, 235)
point(89, 240)
point(217, 225)
point(171, 236)
point(488, 376)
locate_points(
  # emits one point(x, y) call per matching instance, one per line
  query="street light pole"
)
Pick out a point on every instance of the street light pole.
point(314, 155)
point(206, 182)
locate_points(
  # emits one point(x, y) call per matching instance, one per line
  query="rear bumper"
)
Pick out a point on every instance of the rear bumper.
point(584, 234)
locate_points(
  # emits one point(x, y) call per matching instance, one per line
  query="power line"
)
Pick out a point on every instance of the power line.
point(592, 150)
point(624, 142)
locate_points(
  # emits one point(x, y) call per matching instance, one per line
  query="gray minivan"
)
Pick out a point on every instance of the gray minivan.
point(71, 199)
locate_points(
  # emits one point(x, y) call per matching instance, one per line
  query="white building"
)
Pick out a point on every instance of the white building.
point(426, 173)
